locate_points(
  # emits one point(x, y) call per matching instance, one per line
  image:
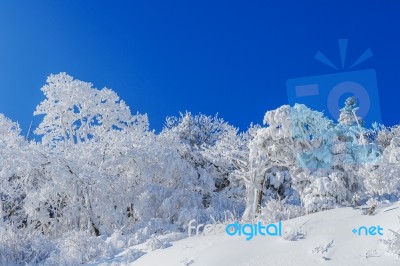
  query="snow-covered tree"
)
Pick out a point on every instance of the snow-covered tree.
point(14, 171)
point(199, 137)
point(74, 111)
point(382, 177)
point(295, 139)
point(348, 114)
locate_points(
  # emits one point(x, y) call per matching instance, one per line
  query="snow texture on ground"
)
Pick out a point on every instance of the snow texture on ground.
point(323, 238)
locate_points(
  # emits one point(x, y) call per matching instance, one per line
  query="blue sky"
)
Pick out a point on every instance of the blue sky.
point(162, 57)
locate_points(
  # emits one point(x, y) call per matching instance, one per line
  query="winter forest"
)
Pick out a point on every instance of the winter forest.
point(93, 171)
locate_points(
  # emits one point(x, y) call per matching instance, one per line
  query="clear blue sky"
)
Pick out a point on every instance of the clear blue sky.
point(162, 57)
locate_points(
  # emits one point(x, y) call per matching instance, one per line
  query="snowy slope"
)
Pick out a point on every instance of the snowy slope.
point(328, 240)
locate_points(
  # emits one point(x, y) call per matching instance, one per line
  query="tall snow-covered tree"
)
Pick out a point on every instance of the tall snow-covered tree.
point(15, 167)
point(382, 177)
point(348, 114)
point(299, 144)
point(199, 137)
point(74, 111)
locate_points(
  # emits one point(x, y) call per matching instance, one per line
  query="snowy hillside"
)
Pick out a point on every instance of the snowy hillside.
point(328, 239)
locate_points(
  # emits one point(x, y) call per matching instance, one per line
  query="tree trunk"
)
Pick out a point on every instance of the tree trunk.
point(251, 200)
point(249, 212)
point(260, 195)
point(96, 230)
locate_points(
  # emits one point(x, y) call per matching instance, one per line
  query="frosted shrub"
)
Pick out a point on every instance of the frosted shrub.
point(392, 243)
point(78, 248)
point(326, 191)
point(276, 210)
point(155, 243)
point(132, 255)
point(23, 247)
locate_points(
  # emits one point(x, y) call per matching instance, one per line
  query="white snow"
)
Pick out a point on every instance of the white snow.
point(328, 240)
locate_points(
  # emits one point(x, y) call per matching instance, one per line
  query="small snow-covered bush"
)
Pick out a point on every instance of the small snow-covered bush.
point(156, 243)
point(294, 235)
point(78, 248)
point(23, 247)
point(118, 240)
point(392, 243)
point(132, 255)
point(277, 210)
point(142, 231)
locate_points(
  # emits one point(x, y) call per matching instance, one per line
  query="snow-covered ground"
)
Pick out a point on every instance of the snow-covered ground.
point(327, 240)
